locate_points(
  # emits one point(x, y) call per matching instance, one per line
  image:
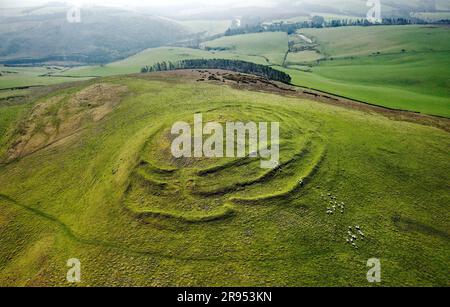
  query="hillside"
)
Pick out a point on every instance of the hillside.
point(103, 35)
point(401, 67)
point(151, 56)
point(86, 172)
point(271, 46)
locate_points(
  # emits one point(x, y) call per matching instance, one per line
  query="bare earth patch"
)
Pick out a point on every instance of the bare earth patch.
point(61, 116)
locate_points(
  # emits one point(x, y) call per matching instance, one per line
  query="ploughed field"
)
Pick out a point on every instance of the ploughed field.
point(87, 172)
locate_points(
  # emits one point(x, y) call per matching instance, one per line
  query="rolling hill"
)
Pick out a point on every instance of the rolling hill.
point(103, 35)
point(94, 181)
point(401, 67)
point(272, 46)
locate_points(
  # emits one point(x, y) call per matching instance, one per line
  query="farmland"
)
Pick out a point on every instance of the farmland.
point(103, 189)
point(16, 77)
point(401, 67)
point(398, 67)
point(271, 46)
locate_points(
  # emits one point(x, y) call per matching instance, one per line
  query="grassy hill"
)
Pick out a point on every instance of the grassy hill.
point(103, 35)
point(414, 81)
point(400, 67)
point(364, 41)
point(272, 46)
point(33, 76)
point(97, 182)
point(134, 63)
point(389, 8)
point(13, 77)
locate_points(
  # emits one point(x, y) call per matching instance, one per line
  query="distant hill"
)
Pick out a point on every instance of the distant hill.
point(103, 35)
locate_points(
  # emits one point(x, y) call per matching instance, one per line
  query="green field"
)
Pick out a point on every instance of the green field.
point(302, 57)
point(413, 81)
point(104, 189)
point(364, 41)
point(12, 77)
point(271, 46)
point(402, 67)
point(151, 56)
point(399, 66)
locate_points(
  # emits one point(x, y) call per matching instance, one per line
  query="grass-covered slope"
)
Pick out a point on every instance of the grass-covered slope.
point(401, 67)
point(16, 77)
point(103, 35)
point(91, 177)
point(412, 81)
point(271, 46)
point(149, 57)
point(363, 41)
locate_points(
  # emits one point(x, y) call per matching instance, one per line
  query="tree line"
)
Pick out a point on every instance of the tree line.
point(320, 22)
point(233, 65)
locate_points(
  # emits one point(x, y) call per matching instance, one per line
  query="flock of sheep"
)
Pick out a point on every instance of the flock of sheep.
point(354, 233)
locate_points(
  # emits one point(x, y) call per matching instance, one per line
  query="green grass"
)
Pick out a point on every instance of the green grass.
point(4, 94)
point(112, 197)
point(398, 67)
point(272, 46)
point(151, 56)
point(412, 81)
point(363, 41)
point(302, 57)
point(29, 76)
point(402, 67)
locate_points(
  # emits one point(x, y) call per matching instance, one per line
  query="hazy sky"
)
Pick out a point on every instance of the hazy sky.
point(138, 3)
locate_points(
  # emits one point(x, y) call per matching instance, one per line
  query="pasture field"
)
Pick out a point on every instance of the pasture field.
point(302, 57)
point(4, 94)
point(364, 41)
point(388, 8)
point(398, 66)
point(271, 46)
point(412, 81)
point(401, 67)
point(134, 64)
point(97, 182)
point(13, 77)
